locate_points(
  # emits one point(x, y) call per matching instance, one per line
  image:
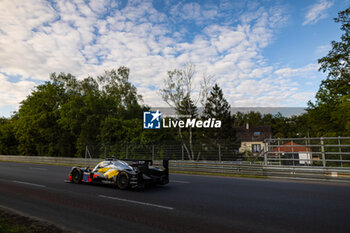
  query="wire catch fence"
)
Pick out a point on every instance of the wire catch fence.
point(326, 152)
point(323, 151)
point(169, 150)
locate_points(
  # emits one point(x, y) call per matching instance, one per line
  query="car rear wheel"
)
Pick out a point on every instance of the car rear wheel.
point(76, 176)
point(123, 180)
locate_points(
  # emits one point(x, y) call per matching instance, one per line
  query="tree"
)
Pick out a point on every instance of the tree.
point(83, 112)
point(189, 109)
point(177, 93)
point(62, 116)
point(36, 123)
point(8, 141)
point(252, 118)
point(337, 62)
point(217, 107)
point(282, 127)
point(329, 115)
point(120, 95)
point(94, 103)
point(178, 85)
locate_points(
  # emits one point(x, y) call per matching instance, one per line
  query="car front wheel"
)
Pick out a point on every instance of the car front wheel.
point(123, 180)
point(76, 176)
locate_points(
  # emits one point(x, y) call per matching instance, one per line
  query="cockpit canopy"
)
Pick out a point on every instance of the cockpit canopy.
point(115, 164)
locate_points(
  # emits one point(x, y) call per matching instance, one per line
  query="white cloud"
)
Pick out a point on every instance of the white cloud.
point(287, 72)
point(12, 93)
point(194, 12)
point(317, 12)
point(191, 11)
point(86, 39)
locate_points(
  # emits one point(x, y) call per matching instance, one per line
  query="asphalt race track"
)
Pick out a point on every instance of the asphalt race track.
point(188, 204)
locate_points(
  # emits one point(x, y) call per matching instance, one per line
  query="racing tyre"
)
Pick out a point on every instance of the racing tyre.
point(76, 176)
point(123, 180)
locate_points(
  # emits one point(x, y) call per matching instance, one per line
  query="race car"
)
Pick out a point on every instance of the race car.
point(126, 173)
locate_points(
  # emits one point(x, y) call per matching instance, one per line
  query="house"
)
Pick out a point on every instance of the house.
point(298, 154)
point(252, 138)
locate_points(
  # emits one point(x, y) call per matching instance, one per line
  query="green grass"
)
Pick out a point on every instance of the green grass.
point(7, 227)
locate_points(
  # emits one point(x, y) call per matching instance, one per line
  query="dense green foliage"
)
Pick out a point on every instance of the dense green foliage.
point(330, 115)
point(8, 141)
point(64, 114)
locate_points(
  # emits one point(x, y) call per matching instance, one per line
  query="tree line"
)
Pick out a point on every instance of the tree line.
point(63, 115)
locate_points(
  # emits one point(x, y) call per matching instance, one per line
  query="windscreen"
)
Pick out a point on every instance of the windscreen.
point(118, 165)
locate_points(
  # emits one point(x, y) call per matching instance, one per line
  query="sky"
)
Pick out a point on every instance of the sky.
point(261, 53)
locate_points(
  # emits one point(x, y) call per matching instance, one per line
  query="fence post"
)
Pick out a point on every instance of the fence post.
point(341, 157)
point(182, 151)
point(323, 153)
point(292, 143)
point(279, 151)
point(87, 152)
point(265, 153)
point(219, 153)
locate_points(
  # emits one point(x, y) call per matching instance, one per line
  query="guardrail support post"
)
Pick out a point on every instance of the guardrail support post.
point(219, 153)
point(182, 151)
point(323, 154)
point(265, 153)
point(341, 157)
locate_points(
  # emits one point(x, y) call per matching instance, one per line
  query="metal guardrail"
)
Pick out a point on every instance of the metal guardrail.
point(213, 167)
point(328, 173)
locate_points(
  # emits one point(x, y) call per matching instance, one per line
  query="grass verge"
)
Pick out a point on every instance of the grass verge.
point(8, 227)
point(12, 221)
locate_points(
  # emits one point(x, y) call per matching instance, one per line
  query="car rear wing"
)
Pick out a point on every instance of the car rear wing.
point(142, 162)
point(146, 163)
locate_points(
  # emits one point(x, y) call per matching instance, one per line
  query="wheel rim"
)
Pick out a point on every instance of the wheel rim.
point(122, 181)
point(76, 177)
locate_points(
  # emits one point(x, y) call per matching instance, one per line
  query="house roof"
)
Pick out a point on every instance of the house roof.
point(291, 147)
point(253, 133)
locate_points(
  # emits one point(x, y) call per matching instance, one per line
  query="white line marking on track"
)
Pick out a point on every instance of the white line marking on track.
point(38, 168)
point(138, 202)
point(180, 181)
point(27, 183)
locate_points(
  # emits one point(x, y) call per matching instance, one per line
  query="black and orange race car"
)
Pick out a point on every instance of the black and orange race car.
point(125, 174)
